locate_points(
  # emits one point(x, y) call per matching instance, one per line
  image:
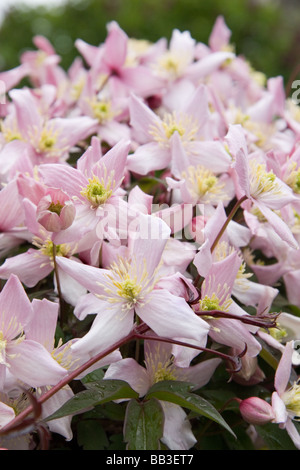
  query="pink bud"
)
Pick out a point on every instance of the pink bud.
point(55, 211)
point(254, 410)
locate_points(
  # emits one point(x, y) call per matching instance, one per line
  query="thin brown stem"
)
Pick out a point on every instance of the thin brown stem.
point(198, 280)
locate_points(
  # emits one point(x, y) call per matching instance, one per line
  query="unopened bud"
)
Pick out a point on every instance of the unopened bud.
point(254, 410)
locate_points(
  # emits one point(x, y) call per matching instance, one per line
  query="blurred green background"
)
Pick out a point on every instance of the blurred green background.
point(266, 32)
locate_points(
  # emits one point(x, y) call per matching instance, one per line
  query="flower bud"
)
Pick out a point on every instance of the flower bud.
point(55, 211)
point(254, 410)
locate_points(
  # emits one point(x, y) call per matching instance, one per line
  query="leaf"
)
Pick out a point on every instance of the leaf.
point(143, 427)
point(94, 376)
point(179, 393)
point(91, 435)
point(96, 393)
point(274, 437)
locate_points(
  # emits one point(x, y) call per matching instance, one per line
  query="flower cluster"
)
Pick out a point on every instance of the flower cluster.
point(151, 192)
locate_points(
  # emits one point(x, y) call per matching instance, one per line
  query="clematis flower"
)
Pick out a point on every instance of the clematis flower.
point(159, 365)
point(262, 188)
point(154, 134)
point(284, 407)
point(55, 211)
point(109, 62)
point(233, 240)
point(25, 359)
point(94, 186)
point(216, 294)
point(110, 111)
point(38, 261)
point(128, 289)
point(49, 139)
point(41, 329)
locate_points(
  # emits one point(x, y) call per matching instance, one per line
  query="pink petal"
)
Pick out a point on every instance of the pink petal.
point(141, 119)
point(64, 177)
point(220, 35)
point(148, 157)
point(14, 303)
point(44, 322)
point(6, 414)
point(109, 327)
point(283, 372)
point(34, 365)
point(115, 49)
point(177, 428)
point(28, 117)
point(170, 316)
point(30, 267)
point(129, 370)
point(148, 238)
point(89, 277)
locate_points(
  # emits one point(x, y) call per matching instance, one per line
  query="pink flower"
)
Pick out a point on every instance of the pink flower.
point(25, 359)
point(129, 289)
point(159, 365)
point(155, 134)
point(55, 211)
point(94, 186)
point(263, 188)
point(49, 139)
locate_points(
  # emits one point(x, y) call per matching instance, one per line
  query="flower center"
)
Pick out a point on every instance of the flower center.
point(171, 64)
point(210, 303)
point(10, 134)
point(203, 184)
point(262, 181)
point(185, 125)
point(129, 289)
point(102, 110)
point(291, 399)
point(47, 140)
point(46, 248)
point(98, 191)
point(164, 371)
point(55, 207)
point(293, 179)
point(127, 283)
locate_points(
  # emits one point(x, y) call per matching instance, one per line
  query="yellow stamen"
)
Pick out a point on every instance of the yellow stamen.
point(98, 191)
point(185, 125)
point(203, 184)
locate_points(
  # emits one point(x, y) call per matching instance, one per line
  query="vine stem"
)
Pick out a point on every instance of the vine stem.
point(223, 228)
point(229, 218)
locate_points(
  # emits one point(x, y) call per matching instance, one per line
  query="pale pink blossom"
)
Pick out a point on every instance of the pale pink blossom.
point(159, 365)
point(27, 360)
point(128, 289)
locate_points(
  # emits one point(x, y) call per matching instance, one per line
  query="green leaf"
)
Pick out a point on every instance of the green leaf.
point(179, 393)
point(143, 427)
point(91, 435)
point(96, 394)
point(274, 437)
point(94, 376)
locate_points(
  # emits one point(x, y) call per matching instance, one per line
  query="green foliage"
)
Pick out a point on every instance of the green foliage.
point(143, 427)
point(179, 394)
